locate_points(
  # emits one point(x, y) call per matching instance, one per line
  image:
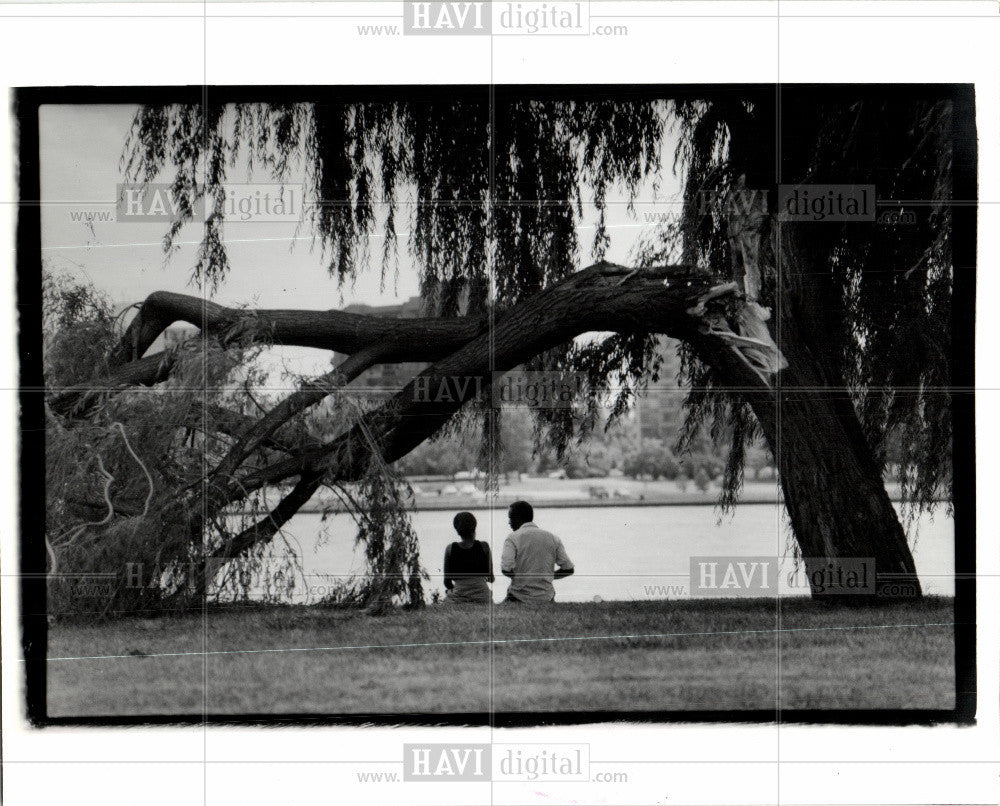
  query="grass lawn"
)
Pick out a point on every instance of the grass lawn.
point(661, 655)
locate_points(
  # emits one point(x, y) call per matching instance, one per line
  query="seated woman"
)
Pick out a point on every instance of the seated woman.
point(468, 565)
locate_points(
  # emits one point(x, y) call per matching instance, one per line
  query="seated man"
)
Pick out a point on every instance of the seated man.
point(530, 558)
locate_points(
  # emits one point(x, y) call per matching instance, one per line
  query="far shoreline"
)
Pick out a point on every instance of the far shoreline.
point(470, 503)
point(629, 494)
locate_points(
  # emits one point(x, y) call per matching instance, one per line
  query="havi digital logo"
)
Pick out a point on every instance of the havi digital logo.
point(447, 762)
point(439, 18)
point(732, 576)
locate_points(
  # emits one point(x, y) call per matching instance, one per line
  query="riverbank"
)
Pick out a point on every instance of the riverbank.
point(612, 656)
point(547, 493)
point(454, 503)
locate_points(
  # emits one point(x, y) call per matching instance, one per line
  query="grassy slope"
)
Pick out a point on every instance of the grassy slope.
point(826, 659)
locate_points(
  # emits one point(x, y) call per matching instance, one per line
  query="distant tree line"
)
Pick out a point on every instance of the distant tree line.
point(641, 445)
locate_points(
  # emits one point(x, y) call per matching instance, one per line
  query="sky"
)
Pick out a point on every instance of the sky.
point(272, 265)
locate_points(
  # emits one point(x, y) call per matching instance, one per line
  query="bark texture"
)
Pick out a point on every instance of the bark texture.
point(833, 487)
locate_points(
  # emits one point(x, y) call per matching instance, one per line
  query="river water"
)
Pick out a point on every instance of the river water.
point(629, 553)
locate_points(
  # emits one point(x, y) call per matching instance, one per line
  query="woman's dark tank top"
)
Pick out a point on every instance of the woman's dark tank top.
point(473, 561)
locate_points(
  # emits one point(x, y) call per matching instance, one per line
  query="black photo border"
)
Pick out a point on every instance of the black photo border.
point(34, 624)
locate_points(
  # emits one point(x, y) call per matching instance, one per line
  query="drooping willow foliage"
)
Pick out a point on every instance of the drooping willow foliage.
point(115, 530)
point(477, 208)
point(118, 530)
point(501, 211)
point(502, 205)
point(491, 217)
point(492, 200)
point(895, 282)
point(875, 299)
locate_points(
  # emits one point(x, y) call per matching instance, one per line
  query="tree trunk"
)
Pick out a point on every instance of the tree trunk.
point(840, 495)
point(833, 486)
point(841, 514)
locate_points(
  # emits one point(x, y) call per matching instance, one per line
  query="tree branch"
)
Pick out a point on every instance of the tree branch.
point(143, 372)
point(399, 340)
point(680, 301)
point(268, 526)
point(417, 339)
point(603, 297)
point(236, 425)
point(311, 393)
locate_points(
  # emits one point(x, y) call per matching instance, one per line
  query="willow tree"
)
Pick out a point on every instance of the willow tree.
point(829, 340)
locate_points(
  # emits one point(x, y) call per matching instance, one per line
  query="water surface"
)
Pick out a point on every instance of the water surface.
point(620, 552)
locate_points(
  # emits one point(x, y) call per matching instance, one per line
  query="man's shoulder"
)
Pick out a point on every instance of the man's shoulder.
point(537, 533)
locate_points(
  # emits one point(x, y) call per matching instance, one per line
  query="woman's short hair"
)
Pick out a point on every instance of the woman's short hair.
point(465, 524)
